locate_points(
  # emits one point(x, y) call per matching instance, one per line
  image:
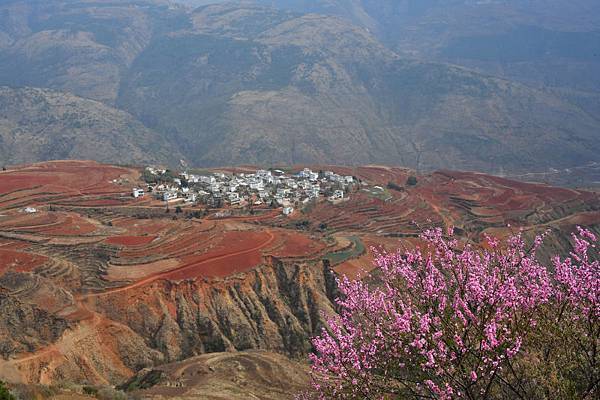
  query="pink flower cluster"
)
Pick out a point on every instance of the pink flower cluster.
point(578, 277)
point(443, 322)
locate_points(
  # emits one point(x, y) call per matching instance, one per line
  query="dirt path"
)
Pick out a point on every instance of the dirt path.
point(164, 275)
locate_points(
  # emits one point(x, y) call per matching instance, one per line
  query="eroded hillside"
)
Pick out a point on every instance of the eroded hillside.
point(41, 124)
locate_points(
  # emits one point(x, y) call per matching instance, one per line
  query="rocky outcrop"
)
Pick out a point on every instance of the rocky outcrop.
point(276, 307)
point(25, 328)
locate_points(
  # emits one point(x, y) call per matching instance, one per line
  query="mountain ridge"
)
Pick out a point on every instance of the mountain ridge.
point(42, 124)
point(244, 83)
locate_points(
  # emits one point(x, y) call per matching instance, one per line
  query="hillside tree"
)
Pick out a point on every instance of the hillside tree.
point(458, 321)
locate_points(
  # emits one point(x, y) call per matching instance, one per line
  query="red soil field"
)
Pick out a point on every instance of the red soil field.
point(70, 224)
point(29, 221)
point(142, 226)
point(534, 190)
point(55, 223)
point(364, 213)
point(221, 266)
point(130, 240)
point(177, 243)
point(19, 181)
point(9, 244)
point(236, 252)
point(239, 251)
point(292, 244)
point(64, 178)
point(217, 248)
point(19, 261)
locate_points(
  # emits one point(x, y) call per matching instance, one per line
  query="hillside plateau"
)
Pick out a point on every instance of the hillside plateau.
point(222, 376)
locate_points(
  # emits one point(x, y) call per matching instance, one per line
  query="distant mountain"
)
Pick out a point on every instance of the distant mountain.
point(81, 47)
point(545, 42)
point(249, 84)
point(40, 124)
point(242, 83)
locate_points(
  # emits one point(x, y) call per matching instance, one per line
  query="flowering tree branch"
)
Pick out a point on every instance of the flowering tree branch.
point(456, 321)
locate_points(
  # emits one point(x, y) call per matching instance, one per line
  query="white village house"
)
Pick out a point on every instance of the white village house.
point(261, 187)
point(288, 210)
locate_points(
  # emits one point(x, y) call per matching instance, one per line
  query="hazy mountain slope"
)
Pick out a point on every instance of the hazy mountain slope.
point(78, 46)
point(228, 84)
point(249, 84)
point(39, 124)
point(553, 43)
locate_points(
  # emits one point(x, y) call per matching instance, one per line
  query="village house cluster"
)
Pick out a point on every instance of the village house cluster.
point(273, 188)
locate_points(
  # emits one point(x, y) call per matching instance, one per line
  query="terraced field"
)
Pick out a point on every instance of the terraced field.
point(355, 249)
point(92, 262)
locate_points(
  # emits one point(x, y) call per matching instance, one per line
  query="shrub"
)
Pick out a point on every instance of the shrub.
point(5, 393)
point(302, 224)
point(195, 214)
point(32, 391)
point(148, 177)
point(168, 176)
point(453, 321)
point(90, 390)
point(396, 187)
point(109, 393)
point(411, 181)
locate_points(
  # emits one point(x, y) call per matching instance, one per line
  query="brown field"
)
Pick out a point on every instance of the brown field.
point(130, 240)
point(54, 181)
point(87, 202)
point(236, 251)
point(19, 261)
point(140, 226)
point(56, 224)
point(293, 244)
point(139, 271)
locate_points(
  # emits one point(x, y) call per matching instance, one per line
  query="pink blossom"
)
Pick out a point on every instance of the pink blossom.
point(473, 376)
point(444, 322)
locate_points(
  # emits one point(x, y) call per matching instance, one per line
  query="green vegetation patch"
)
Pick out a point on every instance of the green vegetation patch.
point(357, 249)
point(5, 393)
